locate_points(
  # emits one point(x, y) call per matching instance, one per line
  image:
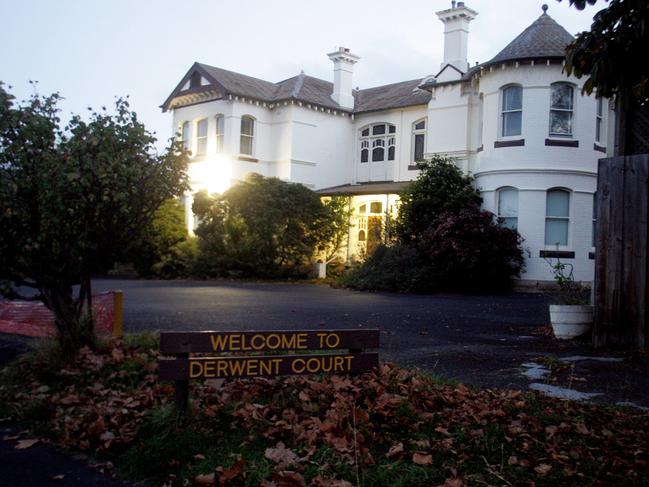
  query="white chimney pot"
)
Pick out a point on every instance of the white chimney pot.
point(344, 62)
point(456, 34)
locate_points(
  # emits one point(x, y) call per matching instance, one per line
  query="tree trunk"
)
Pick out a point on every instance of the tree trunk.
point(74, 322)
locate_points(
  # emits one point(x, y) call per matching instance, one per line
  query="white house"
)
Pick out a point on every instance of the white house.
point(516, 122)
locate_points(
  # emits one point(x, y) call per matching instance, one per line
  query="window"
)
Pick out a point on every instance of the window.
point(195, 80)
point(362, 209)
point(418, 140)
point(561, 105)
point(592, 244)
point(247, 135)
point(201, 137)
point(508, 207)
point(361, 236)
point(379, 141)
point(220, 133)
point(376, 207)
point(557, 217)
point(599, 121)
point(185, 135)
point(512, 111)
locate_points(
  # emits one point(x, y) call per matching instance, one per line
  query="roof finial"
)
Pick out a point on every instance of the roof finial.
point(544, 7)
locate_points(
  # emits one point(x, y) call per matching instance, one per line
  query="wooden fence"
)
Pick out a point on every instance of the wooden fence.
point(621, 268)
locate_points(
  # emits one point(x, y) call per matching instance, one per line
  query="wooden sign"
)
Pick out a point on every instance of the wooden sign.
point(266, 341)
point(184, 366)
point(267, 366)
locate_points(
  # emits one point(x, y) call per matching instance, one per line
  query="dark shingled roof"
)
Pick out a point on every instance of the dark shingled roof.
point(378, 187)
point(542, 40)
point(308, 89)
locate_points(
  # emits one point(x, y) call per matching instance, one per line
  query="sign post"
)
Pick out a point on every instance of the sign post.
point(259, 360)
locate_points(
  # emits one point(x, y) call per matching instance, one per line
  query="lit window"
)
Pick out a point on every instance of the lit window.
point(419, 140)
point(557, 217)
point(561, 109)
point(247, 135)
point(201, 137)
point(599, 121)
point(508, 207)
point(361, 235)
point(220, 133)
point(512, 111)
point(376, 207)
point(362, 209)
point(378, 140)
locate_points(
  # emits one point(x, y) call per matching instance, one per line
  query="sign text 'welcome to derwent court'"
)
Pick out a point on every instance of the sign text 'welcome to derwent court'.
point(220, 367)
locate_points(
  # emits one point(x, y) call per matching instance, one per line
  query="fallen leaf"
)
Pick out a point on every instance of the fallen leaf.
point(58, 477)
point(422, 458)
point(233, 472)
point(281, 455)
point(288, 478)
point(206, 479)
point(395, 450)
point(24, 444)
point(543, 469)
point(199, 456)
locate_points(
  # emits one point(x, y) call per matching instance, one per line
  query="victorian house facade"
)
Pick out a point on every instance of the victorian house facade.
point(516, 122)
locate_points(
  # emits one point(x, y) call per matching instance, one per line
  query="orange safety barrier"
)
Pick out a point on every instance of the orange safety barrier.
point(32, 318)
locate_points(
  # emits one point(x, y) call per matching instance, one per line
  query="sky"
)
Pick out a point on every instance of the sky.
point(91, 51)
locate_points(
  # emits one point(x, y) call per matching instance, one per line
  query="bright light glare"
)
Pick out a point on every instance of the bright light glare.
point(213, 174)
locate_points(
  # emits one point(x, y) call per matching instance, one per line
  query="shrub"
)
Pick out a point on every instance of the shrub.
point(440, 187)
point(470, 250)
point(398, 268)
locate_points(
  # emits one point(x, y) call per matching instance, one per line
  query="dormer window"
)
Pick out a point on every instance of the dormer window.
point(561, 106)
point(512, 111)
point(195, 80)
point(378, 140)
point(201, 137)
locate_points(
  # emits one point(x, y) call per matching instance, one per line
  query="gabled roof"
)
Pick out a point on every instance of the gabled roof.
point(302, 87)
point(544, 39)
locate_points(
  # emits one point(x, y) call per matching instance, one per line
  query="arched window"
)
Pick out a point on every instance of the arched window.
point(201, 137)
point(418, 140)
point(361, 236)
point(247, 135)
point(185, 130)
point(512, 111)
point(508, 207)
point(380, 140)
point(557, 217)
point(561, 106)
point(220, 132)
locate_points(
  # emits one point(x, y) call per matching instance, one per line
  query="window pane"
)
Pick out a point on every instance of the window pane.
point(377, 154)
point(376, 207)
point(421, 125)
point(419, 147)
point(560, 123)
point(378, 143)
point(361, 209)
point(361, 235)
point(558, 204)
point(513, 98)
point(512, 123)
point(186, 135)
point(392, 129)
point(378, 130)
point(556, 232)
point(365, 153)
point(562, 96)
point(246, 145)
point(219, 124)
point(508, 203)
point(219, 143)
point(247, 126)
point(598, 129)
point(510, 222)
point(391, 153)
point(201, 128)
point(365, 132)
point(600, 105)
point(201, 146)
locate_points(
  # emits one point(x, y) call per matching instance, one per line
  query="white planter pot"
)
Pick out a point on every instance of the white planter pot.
point(570, 320)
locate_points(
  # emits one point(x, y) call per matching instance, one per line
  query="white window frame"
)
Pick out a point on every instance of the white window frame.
point(570, 110)
point(219, 142)
point(250, 136)
point(599, 121)
point(504, 112)
point(384, 141)
point(185, 134)
point(201, 139)
point(415, 133)
point(567, 245)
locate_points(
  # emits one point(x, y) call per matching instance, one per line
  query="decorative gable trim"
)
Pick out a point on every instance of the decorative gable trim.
point(214, 90)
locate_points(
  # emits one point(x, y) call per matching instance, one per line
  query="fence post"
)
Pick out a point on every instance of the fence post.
point(118, 312)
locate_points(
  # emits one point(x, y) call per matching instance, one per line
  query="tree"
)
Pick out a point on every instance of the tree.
point(336, 227)
point(160, 239)
point(440, 187)
point(262, 227)
point(72, 199)
point(610, 53)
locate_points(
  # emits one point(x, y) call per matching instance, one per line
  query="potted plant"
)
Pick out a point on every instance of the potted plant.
point(572, 316)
